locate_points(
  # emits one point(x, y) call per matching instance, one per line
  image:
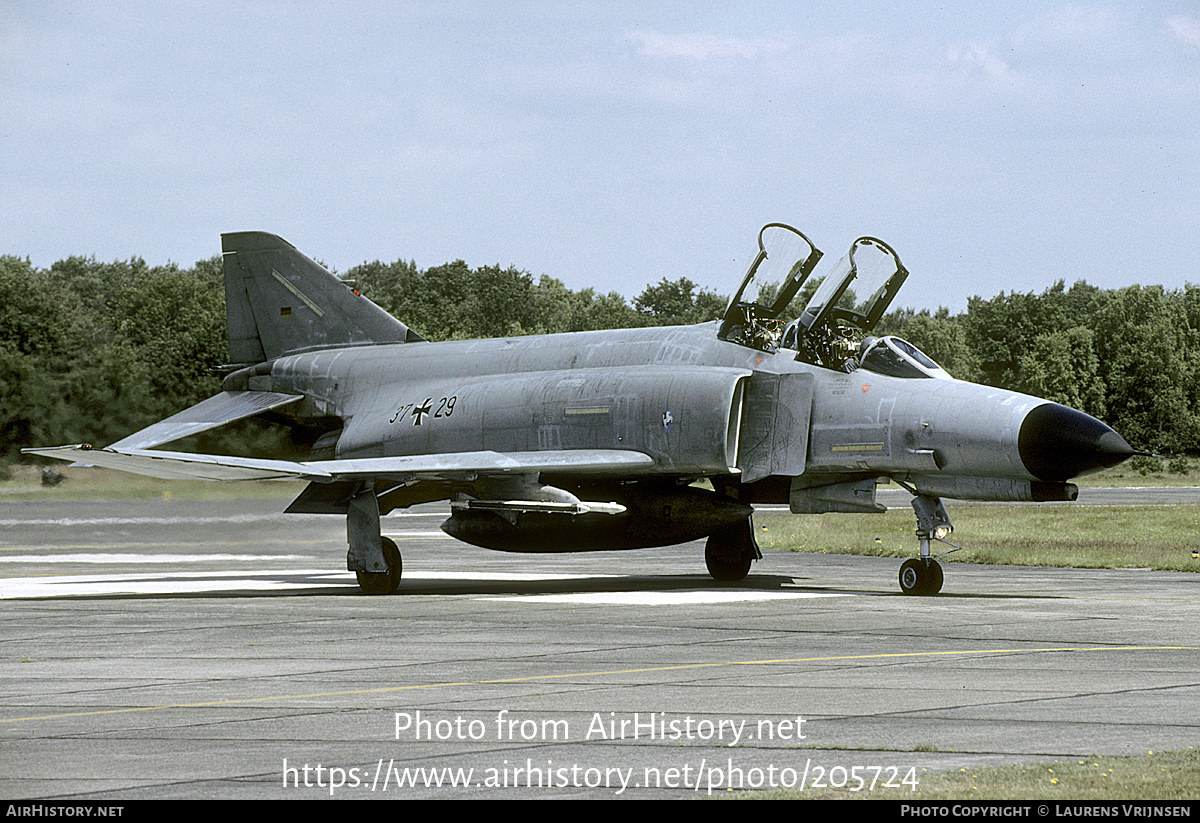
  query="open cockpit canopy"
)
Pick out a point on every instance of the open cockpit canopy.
point(846, 305)
point(859, 289)
point(784, 261)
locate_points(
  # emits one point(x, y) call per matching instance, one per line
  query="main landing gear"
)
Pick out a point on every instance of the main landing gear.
point(374, 559)
point(923, 575)
point(730, 551)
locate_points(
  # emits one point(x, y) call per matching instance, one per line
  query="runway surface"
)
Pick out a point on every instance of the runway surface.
point(185, 649)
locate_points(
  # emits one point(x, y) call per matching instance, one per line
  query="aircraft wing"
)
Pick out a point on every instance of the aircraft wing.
point(180, 465)
point(184, 466)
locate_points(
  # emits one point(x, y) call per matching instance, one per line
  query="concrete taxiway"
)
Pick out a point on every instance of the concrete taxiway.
point(214, 649)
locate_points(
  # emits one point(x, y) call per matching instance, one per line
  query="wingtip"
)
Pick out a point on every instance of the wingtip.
point(50, 450)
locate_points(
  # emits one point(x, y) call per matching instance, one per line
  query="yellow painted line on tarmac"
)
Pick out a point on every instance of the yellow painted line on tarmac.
point(250, 701)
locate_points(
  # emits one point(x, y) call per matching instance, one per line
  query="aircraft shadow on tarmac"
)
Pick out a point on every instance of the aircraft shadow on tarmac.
point(282, 584)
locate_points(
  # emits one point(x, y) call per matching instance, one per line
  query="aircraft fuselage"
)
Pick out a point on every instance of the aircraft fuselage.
point(685, 398)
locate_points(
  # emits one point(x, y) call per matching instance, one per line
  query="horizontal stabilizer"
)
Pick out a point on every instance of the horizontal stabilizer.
point(218, 410)
point(460, 465)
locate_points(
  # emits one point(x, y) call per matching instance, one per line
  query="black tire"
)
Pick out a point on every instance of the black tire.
point(935, 578)
point(728, 553)
point(911, 576)
point(383, 582)
point(920, 577)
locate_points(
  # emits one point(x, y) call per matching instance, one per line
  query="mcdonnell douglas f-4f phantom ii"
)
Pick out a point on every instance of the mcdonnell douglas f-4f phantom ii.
point(598, 440)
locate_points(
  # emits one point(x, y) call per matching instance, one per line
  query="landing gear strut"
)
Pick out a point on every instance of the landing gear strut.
point(374, 559)
point(923, 575)
point(730, 551)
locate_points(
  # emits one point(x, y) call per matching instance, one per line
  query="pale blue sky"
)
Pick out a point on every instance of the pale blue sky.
point(995, 147)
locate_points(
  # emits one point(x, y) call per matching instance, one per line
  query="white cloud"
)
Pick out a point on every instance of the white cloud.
point(1186, 29)
point(976, 54)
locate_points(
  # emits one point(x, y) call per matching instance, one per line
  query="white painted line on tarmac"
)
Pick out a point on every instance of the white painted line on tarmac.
point(170, 583)
point(530, 576)
point(669, 598)
point(277, 580)
point(189, 582)
point(185, 520)
point(131, 559)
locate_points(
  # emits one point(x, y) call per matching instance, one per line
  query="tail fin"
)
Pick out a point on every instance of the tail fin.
point(279, 302)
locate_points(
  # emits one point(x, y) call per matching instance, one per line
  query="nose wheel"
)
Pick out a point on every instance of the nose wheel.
point(921, 576)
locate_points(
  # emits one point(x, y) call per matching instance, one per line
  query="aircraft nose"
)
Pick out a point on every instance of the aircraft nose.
point(1057, 443)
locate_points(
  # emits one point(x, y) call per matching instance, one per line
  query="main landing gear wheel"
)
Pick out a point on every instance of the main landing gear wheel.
point(383, 582)
point(920, 577)
point(729, 552)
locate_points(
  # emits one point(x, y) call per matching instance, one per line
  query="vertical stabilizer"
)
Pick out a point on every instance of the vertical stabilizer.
point(279, 301)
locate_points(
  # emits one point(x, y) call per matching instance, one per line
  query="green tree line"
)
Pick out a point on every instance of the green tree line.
point(92, 351)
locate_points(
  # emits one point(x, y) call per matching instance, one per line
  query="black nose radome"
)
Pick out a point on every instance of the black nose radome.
point(1057, 443)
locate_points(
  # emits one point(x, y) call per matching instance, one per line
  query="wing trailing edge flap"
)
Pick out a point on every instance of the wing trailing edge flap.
point(409, 468)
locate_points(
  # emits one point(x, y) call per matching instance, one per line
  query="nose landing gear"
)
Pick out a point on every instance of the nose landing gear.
point(923, 575)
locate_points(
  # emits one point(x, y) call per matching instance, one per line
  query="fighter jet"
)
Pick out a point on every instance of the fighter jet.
point(625, 439)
